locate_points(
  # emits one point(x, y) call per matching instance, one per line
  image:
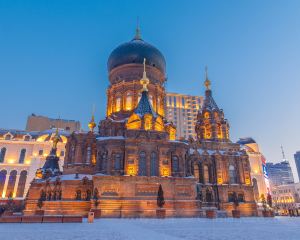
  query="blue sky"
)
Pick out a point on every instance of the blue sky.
point(53, 58)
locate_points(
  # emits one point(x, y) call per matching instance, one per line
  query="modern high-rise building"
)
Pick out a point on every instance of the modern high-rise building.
point(182, 110)
point(297, 161)
point(280, 173)
point(41, 123)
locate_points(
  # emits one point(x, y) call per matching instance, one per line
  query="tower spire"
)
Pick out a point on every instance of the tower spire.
point(92, 123)
point(137, 30)
point(282, 151)
point(207, 82)
point(144, 81)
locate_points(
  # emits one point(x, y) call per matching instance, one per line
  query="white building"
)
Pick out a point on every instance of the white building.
point(21, 154)
point(182, 110)
point(257, 161)
point(286, 197)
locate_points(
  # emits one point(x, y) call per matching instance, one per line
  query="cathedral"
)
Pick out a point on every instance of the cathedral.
point(131, 165)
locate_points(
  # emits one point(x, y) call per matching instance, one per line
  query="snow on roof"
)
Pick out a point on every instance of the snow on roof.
point(110, 138)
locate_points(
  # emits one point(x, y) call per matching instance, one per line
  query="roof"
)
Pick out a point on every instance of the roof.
point(209, 103)
point(134, 52)
point(144, 106)
point(247, 140)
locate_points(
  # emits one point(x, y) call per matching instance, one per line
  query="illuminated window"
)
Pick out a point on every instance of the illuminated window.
point(148, 122)
point(219, 131)
point(22, 156)
point(2, 155)
point(206, 174)
point(118, 104)
point(206, 115)
point(129, 104)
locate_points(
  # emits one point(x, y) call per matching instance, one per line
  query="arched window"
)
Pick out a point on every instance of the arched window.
point(21, 185)
point(219, 131)
point(2, 155)
point(129, 102)
point(118, 104)
point(7, 137)
point(232, 174)
point(2, 181)
point(153, 165)
point(72, 153)
point(148, 122)
point(26, 138)
point(206, 174)
point(88, 154)
point(11, 183)
point(22, 155)
point(117, 161)
point(103, 161)
point(175, 164)
point(142, 164)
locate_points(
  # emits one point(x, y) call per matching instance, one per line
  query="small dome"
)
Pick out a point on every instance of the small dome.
point(134, 52)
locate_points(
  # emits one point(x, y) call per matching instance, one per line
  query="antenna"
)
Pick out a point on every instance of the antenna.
point(282, 151)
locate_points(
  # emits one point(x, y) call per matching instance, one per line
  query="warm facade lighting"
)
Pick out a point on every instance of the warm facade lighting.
point(165, 172)
point(131, 170)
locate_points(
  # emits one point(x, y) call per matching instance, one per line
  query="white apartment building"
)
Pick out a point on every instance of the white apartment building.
point(21, 154)
point(182, 110)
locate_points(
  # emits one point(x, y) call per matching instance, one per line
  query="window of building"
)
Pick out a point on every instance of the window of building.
point(232, 174)
point(182, 102)
point(129, 102)
point(3, 174)
point(88, 154)
point(27, 138)
point(68, 128)
point(41, 152)
point(117, 161)
point(62, 153)
point(7, 137)
point(154, 164)
point(118, 104)
point(22, 156)
point(142, 164)
point(175, 103)
point(2, 155)
point(175, 164)
point(21, 184)
point(206, 174)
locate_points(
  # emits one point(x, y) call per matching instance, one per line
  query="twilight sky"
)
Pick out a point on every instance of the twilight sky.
point(53, 59)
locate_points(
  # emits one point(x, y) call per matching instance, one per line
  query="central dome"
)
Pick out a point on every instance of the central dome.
point(134, 52)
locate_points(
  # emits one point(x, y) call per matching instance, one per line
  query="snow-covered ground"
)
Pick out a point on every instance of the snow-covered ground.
point(282, 228)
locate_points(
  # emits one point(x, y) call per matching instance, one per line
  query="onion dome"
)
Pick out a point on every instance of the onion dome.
point(134, 52)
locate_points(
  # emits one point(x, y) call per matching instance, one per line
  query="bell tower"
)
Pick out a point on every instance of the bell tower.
point(211, 123)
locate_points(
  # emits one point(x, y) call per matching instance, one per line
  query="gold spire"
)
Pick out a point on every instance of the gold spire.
point(137, 30)
point(92, 123)
point(144, 81)
point(207, 81)
point(55, 139)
